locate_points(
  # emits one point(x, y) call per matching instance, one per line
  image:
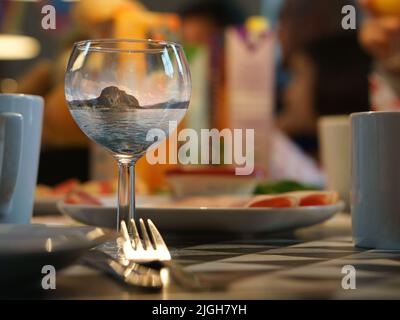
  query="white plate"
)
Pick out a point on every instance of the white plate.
point(25, 249)
point(236, 220)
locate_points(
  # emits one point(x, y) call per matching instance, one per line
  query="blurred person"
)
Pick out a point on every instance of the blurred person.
point(304, 21)
point(380, 36)
point(328, 77)
point(301, 22)
point(327, 71)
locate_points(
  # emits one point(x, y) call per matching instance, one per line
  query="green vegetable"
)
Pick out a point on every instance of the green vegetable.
point(282, 186)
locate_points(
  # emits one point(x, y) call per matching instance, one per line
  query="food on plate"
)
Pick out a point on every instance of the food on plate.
point(316, 198)
point(81, 197)
point(94, 188)
point(295, 199)
point(43, 191)
point(207, 201)
point(65, 187)
point(285, 200)
point(282, 187)
point(99, 187)
point(58, 191)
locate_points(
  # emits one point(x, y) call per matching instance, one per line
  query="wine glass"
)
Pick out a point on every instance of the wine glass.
point(117, 90)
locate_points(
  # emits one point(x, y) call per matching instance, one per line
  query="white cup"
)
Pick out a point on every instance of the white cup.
point(376, 179)
point(334, 140)
point(20, 135)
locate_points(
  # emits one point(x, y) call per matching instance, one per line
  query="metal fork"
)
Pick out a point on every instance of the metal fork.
point(153, 251)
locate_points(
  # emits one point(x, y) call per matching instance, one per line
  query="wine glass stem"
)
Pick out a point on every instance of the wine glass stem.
point(126, 193)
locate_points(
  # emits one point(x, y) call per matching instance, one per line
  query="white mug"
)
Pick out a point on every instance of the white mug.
point(20, 135)
point(376, 179)
point(334, 140)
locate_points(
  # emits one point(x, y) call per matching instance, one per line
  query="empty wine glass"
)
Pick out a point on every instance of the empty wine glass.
point(117, 90)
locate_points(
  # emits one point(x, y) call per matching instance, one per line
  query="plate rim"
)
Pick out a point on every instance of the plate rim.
point(339, 205)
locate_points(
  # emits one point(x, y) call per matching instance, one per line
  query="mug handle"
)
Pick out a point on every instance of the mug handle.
point(10, 157)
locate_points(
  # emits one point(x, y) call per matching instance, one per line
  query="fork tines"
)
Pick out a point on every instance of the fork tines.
point(150, 248)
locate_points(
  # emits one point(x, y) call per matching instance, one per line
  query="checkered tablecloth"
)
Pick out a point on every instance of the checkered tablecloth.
point(307, 265)
point(289, 268)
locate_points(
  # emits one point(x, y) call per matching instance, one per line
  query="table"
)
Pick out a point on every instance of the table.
point(307, 264)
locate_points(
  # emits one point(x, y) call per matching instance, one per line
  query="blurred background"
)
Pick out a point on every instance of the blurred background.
point(275, 66)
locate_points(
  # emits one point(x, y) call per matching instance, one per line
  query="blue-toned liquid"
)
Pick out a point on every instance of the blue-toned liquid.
point(124, 131)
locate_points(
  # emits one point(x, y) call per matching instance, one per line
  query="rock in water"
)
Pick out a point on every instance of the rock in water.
point(113, 97)
point(110, 98)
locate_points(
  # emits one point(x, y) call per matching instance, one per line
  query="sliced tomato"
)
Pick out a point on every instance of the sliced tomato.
point(273, 202)
point(322, 199)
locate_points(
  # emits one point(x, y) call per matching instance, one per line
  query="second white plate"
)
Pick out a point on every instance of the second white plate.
point(235, 220)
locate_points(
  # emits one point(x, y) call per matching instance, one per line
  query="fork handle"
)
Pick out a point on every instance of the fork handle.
point(185, 279)
point(99, 260)
point(189, 280)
